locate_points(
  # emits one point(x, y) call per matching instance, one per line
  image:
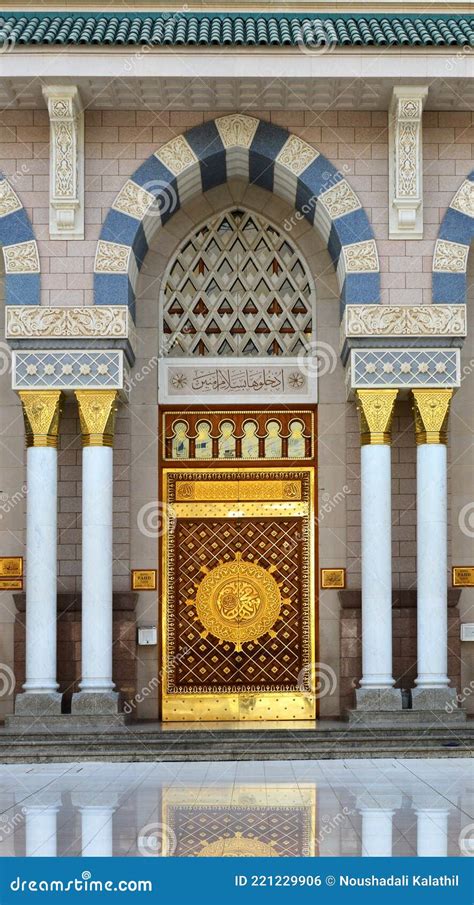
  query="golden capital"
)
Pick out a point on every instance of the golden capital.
point(41, 411)
point(376, 409)
point(97, 410)
point(431, 408)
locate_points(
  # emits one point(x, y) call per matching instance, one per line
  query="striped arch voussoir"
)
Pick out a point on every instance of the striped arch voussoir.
point(19, 249)
point(265, 155)
point(455, 237)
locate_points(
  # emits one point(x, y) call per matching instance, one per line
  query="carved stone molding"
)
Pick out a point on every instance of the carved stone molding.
point(406, 162)
point(66, 199)
point(67, 369)
point(41, 322)
point(404, 320)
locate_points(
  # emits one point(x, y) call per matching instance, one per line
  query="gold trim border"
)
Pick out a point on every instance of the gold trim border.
point(278, 705)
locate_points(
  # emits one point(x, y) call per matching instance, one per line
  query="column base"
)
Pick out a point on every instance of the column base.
point(95, 703)
point(442, 699)
point(31, 703)
point(378, 699)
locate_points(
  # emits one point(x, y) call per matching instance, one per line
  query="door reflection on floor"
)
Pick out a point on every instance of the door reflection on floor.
point(263, 809)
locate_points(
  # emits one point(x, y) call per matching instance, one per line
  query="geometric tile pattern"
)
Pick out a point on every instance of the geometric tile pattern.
point(405, 368)
point(206, 156)
point(61, 369)
point(455, 236)
point(203, 664)
point(237, 286)
point(19, 249)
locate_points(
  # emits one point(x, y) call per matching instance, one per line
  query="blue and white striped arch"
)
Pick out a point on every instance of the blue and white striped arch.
point(456, 234)
point(19, 249)
point(265, 155)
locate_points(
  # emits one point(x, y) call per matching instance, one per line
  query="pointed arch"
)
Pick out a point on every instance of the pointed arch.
point(19, 249)
point(206, 156)
point(455, 236)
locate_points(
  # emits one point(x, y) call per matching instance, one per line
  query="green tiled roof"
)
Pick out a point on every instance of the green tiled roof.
point(237, 29)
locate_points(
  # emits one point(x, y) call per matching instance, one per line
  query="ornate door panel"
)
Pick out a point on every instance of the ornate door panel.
point(238, 587)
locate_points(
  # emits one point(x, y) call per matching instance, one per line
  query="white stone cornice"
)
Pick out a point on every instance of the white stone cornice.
point(44, 322)
point(66, 155)
point(366, 321)
point(406, 162)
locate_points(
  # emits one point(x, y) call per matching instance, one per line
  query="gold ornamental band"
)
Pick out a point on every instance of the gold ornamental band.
point(97, 410)
point(431, 410)
point(376, 408)
point(41, 413)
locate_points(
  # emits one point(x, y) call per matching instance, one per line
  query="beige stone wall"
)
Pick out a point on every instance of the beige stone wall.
point(116, 143)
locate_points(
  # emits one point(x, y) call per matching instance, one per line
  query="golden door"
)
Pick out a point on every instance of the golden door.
point(238, 601)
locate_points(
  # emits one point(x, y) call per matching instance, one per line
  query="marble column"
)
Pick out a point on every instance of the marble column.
point(376, 692)
point(41, 828)
point(377, 823)
point(41, 411)
point(432, 832)
point(431, 408)
point(97, 416)
point(97, 814)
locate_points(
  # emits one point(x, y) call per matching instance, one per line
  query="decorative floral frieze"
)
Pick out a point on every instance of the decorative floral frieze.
point(340, 199)
point(21, 258)
point(177, 155)
point(404, 320)
point(111, 257)
point(66, 161)
point(9, 200)
point(133, 200)
point(361, 257)
point(450, 257)
point(463, 200)
point(94, 321)
point(296, 155)
point(404, 367)
point(237, 130)
point(405, 158)
point(61, 369)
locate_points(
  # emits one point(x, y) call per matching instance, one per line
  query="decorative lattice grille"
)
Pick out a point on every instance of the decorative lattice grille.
point(237, 286)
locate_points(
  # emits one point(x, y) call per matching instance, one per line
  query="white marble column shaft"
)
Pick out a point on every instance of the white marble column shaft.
point(376, 519)
point(41, 559)
point(432, 554)
point(97, 503)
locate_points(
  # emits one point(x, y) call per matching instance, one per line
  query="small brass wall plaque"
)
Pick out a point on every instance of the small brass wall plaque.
point(143, 579)
point(11, 584)
point(333, 578)
point(463, 576)
point(11, 566)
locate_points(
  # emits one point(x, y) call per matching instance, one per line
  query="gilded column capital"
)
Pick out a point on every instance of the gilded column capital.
point(376, 409)
point(97, 410)
point(41, 413)
point(431, 408)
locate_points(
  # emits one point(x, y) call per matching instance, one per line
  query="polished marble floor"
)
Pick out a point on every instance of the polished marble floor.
point(271, 808)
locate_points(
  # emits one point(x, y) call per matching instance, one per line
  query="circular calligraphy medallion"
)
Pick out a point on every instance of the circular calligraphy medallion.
point(238, 601)
point(237, 846)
